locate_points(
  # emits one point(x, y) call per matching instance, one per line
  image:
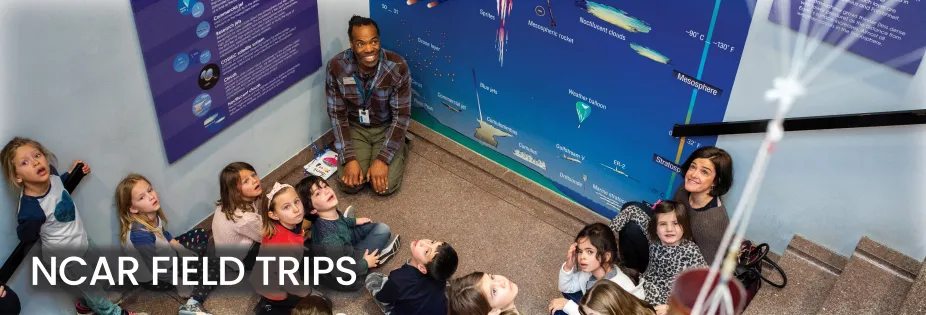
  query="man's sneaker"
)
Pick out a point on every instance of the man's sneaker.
point(390, 250)
point(124, 312)
point(349, 213)
point(194, 308)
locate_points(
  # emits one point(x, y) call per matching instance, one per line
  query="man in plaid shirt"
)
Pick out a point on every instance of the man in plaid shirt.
point(369, 96)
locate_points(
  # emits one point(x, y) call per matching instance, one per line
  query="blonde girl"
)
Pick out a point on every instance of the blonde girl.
point(283, 236)
point(144, 234)
point(608, 298)
point(48, 214)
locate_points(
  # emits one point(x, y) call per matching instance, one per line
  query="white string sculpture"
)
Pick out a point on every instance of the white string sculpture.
point(786, 89)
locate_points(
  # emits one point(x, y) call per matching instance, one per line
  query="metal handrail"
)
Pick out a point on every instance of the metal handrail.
point(879, 119)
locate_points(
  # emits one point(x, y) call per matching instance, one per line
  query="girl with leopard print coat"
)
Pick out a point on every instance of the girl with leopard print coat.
point(671, 248)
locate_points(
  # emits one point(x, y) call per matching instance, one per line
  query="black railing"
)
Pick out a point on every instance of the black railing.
point(896, 118)
point(19, 253)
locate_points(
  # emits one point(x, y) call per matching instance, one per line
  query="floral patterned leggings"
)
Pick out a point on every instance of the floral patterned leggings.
point(195, 240)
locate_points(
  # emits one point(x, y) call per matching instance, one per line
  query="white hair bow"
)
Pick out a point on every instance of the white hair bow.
point(276, 188)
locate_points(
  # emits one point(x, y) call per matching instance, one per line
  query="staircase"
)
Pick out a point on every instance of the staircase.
point(875, 280)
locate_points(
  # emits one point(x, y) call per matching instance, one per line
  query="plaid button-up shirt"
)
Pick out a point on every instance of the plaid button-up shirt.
point(389, 103)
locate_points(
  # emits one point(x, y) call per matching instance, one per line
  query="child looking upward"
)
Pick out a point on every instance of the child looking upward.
point(418, 286)
point(592, 258)
point(334, 235)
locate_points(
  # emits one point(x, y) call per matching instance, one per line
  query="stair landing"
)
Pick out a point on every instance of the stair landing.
point(812, 271)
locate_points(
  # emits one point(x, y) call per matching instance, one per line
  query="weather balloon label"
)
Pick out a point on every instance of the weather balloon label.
point(891, 32)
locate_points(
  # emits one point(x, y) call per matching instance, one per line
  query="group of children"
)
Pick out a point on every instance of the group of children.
point(594, 279)
point(306, 220)
point(291, 221)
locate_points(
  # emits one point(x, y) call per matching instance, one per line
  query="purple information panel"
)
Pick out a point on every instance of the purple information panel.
point(211, 62)
point(891, 32)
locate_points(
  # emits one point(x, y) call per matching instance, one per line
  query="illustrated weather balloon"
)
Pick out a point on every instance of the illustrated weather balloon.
point(583, 110)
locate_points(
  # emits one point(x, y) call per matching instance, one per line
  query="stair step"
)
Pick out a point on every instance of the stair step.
point(812, 271)
point(916, 298)
point(875, 281)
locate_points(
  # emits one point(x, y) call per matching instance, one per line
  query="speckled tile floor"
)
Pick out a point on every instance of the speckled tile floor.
point(485, 218)
point(504, 224)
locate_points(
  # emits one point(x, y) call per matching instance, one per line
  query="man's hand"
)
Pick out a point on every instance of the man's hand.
point(352, 175)
point(379, 176)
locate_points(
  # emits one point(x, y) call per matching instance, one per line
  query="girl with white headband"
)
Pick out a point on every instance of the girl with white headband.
point(283, 236)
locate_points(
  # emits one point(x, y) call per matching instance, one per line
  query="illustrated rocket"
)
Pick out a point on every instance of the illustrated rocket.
point(550, 9)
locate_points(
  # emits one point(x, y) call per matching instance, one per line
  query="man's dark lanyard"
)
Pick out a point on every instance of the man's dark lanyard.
point(367, 91)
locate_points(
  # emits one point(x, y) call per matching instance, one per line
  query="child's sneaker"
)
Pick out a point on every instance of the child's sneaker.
point(192, 307)
point(323, 297)
point(185, 291)
point(375, 281)
point(82, 307)
point(124, 312)
point(349, 213)
point(262, 307)
point(115, 296)
point(390, 250)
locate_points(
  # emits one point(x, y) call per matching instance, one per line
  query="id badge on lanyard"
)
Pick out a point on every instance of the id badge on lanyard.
point(366, 92)
point(364, 115)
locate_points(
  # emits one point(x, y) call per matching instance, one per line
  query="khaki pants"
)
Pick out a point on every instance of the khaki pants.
point(367, 143)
